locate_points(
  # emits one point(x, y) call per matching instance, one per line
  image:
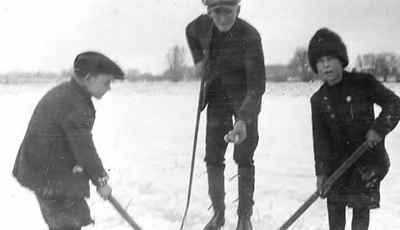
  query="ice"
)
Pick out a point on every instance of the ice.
point(144, 133)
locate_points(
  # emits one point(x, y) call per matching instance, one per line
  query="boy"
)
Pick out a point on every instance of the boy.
point(228, 51)
point(342, 119)
point(57, 157)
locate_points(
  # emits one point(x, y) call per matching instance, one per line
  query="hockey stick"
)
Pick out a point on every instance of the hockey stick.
point(196, 131)
point(339, 172)
point(123, 213)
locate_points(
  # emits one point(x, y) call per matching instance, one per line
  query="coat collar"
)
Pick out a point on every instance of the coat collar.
point(233, 32)
point(79, 89)
point(345, 78)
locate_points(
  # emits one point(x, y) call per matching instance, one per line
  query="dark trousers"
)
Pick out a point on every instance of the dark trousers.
point(337, 216)
point(219, 123)
point(65, 214)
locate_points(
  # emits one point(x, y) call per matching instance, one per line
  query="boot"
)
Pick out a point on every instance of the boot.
point(244, 223)
point(360, 219)
point(217, 221)
point(216, 191)
point(246, 202)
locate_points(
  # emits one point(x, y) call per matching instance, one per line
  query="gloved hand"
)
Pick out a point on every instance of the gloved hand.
point(373, 138)
point(104, 191)
point(238, 134)
point(369, 177)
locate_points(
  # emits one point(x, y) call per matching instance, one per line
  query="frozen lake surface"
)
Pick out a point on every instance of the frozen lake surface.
point(143, 133)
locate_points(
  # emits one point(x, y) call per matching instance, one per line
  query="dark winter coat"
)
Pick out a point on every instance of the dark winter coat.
point(59, 138)
point(342, 114)
point(238, 64)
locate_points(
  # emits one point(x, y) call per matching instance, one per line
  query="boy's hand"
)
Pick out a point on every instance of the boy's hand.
point(104, 191)
point(238, 134)
point(373, 138)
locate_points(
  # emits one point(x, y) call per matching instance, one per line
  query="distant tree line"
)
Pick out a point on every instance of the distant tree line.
point(177, 68)
point(297, 69)
point(17, 77)
point(384, 66)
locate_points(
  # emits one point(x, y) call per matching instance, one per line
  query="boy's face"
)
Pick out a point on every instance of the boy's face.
point(99, 84)
point(224, 17)
point(330, 69)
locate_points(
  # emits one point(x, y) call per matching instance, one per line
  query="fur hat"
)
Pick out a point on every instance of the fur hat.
point(325, 42)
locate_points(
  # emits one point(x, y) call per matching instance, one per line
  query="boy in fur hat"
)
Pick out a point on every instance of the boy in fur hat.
point(342, 119)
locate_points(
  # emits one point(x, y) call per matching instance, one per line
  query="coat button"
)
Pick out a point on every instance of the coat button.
point(333, 116)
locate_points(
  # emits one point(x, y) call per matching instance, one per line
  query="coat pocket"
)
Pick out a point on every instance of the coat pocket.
point(63, 183)
point(38, 153)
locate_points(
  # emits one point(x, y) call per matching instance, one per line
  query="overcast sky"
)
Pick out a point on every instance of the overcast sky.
point(47, 34)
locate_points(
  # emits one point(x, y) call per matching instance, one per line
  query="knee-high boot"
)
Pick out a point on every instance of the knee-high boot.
point(216, 191)
point(246, 202)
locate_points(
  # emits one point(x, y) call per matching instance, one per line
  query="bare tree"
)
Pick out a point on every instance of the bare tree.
point(391, 60)
point(382, 65)
point(366, 63)
point(397, 69)
point(299, 66)
point(277, 72)
point(176, 63)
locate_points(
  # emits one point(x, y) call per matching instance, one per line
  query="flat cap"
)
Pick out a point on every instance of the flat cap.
point(216, 3)
point(96, 63)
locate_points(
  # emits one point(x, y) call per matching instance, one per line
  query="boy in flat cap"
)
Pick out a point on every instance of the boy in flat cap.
point(227, 52)
point(342, 119)
point(57, 157)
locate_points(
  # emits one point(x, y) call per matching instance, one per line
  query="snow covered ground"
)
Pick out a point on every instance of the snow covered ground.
point(144, 133)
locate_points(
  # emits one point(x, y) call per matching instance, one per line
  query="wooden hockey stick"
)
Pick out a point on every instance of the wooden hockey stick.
point(123, 213)
point(339, 172)
point(196, 131)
